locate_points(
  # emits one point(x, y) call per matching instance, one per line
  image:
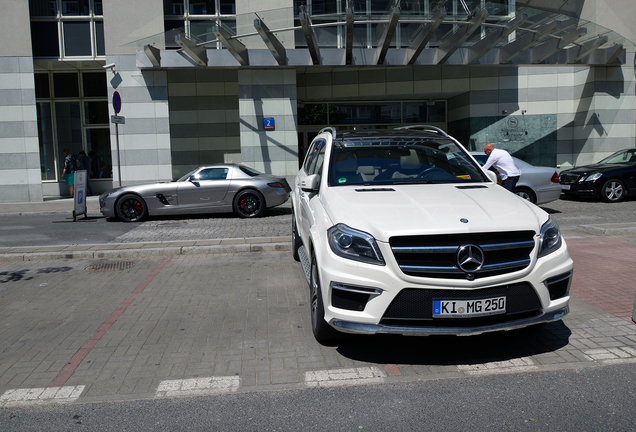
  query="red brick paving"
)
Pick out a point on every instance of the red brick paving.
point(604, 274)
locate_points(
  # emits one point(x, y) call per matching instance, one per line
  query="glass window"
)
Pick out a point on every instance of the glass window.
point(213, 174)
point(65, 85)
point(45, 136)
point(77, 39)
point(202, 7)
point(99, 38)
point(42, 86)
point(96, 112)
point(98, 141)
point(228, 7)
point(424, 112)
point(42, 8)
point(69, 128)
point(75, 7)
point(173, 7)
point(98, 10)
point(44, 39)
point(94, 84)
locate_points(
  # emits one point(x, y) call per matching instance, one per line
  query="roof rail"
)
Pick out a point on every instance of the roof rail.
point(424, 128)
point(332, 130)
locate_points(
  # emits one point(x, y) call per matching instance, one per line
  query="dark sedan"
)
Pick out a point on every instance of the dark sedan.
point(214, 188)
point(611, 179)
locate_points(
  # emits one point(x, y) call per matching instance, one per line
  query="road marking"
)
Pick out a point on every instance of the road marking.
point(81, 354)
point(340, 377)
point(198, 386)
point(40, 396)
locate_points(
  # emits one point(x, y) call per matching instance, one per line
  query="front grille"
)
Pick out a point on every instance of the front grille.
point(414, 307)
point(568, 178)
point(436, 256)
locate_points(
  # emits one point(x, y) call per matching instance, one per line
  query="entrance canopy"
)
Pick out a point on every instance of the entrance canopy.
point(471, 32)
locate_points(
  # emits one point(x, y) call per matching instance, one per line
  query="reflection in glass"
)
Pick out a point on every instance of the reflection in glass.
point(202, 7)
point(42, 8)
point(77, 39)
point(96, 112)
point(75, 7)
point(65, 85)
point(98, 147)
point(44, 40)
point(94, 84)
point(45, 136)
point(69, 128)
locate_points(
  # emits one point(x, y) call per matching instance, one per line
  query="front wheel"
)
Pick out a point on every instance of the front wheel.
point(131, 208)
point(613, 191)
point(249, 203)
point(322, 331)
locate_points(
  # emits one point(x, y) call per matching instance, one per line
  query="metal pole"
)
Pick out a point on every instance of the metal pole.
point(118, 158)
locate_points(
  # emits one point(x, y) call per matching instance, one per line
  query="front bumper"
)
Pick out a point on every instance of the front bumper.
point(369, 292)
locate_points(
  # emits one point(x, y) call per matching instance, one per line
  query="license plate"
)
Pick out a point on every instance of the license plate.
point(469, 308)
point(565, 187)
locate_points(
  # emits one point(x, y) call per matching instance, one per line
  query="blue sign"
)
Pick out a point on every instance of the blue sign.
point(116, 102)
point(268, 123)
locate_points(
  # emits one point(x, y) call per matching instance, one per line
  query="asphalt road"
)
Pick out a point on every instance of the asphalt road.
point(59, 229)
point(588, 399)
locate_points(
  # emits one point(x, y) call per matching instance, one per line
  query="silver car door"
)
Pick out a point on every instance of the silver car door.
point(207, 189)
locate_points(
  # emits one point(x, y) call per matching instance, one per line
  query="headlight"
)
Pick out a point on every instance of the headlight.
point(592, 177)
point(354, 245)
point(550, 240)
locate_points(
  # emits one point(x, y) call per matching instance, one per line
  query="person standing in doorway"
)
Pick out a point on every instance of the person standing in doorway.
point(85, 161)
point(69, 171)
point(501, 160)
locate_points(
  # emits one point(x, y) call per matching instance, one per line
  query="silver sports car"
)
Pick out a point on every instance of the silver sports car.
point(208, 189)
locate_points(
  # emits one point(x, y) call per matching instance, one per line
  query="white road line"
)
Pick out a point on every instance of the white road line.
point(338, 377)
point(197, 386)
point(40, 396)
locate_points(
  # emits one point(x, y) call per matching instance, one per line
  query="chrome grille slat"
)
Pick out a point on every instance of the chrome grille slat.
point(435, 256)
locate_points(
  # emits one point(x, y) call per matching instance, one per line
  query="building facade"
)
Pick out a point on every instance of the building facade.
point(200, 82)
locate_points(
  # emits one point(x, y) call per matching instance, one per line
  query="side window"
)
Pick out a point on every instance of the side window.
point(311, 155)
point(316, 166)
point(213, 174)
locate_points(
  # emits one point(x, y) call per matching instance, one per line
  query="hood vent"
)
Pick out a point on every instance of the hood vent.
point(472, 187)
point(376, 190)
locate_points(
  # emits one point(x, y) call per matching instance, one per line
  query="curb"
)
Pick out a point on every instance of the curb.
point(608, 229)
point(146, 252)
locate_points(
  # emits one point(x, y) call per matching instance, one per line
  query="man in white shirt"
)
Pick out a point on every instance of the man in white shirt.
point(504, 164)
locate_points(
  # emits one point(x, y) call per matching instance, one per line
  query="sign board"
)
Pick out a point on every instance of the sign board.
point(268, 123)
point(116, 102)
point(79, 196)
point(118, 119)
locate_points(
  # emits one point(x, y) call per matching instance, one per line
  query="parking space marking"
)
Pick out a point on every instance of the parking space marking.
point(198, 386)
point(340, 377)
point(76, 360)
point(612, 355)
point(40, 396)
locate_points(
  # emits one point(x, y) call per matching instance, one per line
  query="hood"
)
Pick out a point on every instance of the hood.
point(597, 167)
point(400, 210)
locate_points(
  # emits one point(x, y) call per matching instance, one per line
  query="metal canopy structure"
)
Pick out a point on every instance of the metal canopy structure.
point(528, 36)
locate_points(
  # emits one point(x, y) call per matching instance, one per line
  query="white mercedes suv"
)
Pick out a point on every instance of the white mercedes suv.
point(402, 232)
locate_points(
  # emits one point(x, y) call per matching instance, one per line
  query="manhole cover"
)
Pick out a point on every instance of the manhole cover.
point(111, 266)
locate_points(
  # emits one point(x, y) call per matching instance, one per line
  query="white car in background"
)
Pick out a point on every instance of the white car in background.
point(403, 232)
point(537, 184)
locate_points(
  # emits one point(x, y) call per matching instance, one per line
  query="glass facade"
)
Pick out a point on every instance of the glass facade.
point(72, 109)
point(372, 113)
point(67, 29)
point(195, 18)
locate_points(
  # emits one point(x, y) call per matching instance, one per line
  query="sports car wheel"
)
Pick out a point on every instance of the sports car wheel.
point(249, 203)
point(322, 331)
point(296, 242)
point(131, 208)
point(613, 191)
point(526, 194)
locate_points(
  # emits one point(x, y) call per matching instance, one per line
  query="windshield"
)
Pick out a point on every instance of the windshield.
point(624, 156)
point(400, 160)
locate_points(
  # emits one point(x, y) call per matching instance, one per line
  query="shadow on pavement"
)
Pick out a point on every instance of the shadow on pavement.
point(453, 350)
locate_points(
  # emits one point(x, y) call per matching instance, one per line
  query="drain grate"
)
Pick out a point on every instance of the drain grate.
point(111, 266)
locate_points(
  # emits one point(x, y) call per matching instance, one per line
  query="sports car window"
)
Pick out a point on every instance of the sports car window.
point(249, 171)
point(213, 174)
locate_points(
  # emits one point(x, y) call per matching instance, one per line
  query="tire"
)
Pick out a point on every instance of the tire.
point(296, 241)
point(249, 203)
point(131, 208)
point(613, 191)
point(526, 194)
point(323, 332)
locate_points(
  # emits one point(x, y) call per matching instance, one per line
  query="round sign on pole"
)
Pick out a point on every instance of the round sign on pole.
point(116, 102)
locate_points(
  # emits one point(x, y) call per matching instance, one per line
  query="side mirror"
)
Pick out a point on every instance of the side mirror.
point(310, 183)
point(194, 179)
point(492, 176)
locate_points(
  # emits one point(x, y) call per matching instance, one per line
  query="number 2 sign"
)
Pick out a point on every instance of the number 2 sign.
point(268, 123)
